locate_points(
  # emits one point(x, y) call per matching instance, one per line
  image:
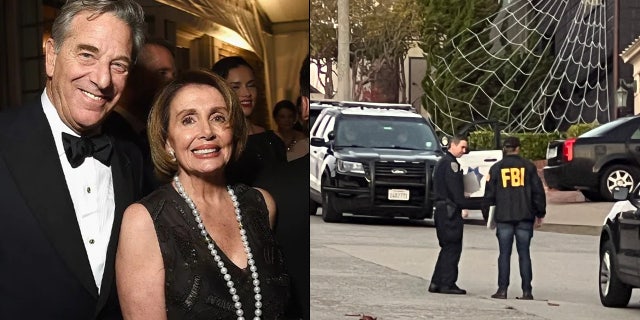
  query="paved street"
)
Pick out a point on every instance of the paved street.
point(382, 268)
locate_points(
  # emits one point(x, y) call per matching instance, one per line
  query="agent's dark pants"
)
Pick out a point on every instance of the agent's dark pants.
point(449, 232)
point(523, 232)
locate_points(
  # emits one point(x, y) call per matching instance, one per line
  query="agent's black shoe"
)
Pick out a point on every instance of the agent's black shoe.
point(452, 290)
point(434, 288)
point(526, 296)
point(500, 294)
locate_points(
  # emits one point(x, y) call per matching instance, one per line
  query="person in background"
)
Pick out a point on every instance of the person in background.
point(199, 247)
point(516, 190)
point(154, 68)
point(285, 115)
point(289, 185)
point(264, 148)
point(448, 188)
point(63, 184)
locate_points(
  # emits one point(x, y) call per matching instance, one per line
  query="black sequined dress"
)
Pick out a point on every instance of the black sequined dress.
point(194, 287)
point(263, 151)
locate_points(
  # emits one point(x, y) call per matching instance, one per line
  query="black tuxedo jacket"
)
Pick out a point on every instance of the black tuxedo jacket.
point(44, 268)
point(117, 126)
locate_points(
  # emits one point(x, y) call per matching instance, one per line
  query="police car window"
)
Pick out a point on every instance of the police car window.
point(322, 123)
point(636, 134)
point(329, 128)
point(385, 132)
point(604, 129)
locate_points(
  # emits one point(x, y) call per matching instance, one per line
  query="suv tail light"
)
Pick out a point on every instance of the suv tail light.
point(567, 149)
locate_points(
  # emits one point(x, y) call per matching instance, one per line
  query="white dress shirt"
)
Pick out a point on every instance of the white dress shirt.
point(91, 188)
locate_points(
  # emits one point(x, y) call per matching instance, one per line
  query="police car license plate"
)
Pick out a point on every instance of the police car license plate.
point(398, 194)
point(552, 152)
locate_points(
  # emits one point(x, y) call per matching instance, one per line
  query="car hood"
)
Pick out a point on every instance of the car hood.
point(618, 207)
point(382, 154)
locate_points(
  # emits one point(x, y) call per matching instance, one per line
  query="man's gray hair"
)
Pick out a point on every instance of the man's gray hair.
point(128, 11)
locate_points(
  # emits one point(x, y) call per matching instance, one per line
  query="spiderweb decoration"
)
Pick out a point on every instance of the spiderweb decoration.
point(524, 78)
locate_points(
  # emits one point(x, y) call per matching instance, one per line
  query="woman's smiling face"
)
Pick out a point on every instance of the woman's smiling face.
point(242, 80)
point(199, 131)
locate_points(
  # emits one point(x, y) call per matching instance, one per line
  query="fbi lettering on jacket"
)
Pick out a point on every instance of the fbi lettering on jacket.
point(512, 177)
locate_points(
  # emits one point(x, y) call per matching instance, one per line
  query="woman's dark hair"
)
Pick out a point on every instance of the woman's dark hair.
point(284, 104)
point(223, 65)
point(158, 122)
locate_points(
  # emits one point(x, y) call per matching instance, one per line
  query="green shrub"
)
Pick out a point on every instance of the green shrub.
point(577, 129)
point(533, 146)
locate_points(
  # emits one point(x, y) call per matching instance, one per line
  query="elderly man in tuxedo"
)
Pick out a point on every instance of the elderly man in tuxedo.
point(63, 185)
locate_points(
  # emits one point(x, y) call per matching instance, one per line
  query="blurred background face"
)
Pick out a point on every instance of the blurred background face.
point(285, 119)
point(154, 69)
point(243, 82)
point(158, 63)
point(87, 76)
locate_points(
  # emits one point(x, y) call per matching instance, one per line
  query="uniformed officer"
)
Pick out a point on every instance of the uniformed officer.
point(449, 193)
point(516, 190)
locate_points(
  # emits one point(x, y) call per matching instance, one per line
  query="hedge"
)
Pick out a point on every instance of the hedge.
point(533, 146)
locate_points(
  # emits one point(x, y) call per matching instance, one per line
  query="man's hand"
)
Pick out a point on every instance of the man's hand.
point(465, 213)
point(538, 222)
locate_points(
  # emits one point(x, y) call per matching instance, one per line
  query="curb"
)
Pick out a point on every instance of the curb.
point(553, 227)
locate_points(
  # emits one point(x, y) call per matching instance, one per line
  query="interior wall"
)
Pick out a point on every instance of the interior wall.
point(288, 52)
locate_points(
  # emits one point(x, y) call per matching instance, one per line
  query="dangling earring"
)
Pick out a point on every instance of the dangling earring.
point(173, 155)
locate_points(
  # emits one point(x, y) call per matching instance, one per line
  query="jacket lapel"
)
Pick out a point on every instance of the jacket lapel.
point(29, 150)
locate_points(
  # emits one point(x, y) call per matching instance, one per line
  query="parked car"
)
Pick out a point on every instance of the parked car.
point(372, 159)
point(620, 249)
point(597, 161)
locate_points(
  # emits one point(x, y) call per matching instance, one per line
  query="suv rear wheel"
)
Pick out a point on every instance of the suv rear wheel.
point(613, 292)
point(329, 214)
point(617, 175)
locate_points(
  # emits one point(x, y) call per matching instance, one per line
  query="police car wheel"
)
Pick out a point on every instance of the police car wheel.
point(329, 214)
point(613, 292)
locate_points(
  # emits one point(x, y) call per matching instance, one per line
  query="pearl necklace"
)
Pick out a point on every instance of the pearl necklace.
point(211, 246)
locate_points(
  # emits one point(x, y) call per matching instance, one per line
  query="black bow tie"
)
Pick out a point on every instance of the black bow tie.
point(77, 148)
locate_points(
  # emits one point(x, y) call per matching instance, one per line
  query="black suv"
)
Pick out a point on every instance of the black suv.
point(372, 159)
point(597, 161)
point(620, 249)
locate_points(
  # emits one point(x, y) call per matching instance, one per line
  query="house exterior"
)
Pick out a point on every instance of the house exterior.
point(631, 56)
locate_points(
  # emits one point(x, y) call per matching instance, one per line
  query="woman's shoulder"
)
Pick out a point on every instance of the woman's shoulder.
point(157, 197)
point(248, 194)
point(268, 138)
point(264, 135)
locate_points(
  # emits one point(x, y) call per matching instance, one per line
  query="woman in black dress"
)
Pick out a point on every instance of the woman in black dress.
point(198, 247)
point(264, 148)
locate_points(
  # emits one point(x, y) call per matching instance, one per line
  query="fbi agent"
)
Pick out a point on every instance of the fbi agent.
point(514, 187)
point(450, 200)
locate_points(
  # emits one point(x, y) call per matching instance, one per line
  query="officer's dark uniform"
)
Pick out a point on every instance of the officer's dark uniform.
point(449, 191)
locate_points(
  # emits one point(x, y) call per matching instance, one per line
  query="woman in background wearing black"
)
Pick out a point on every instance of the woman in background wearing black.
point(264, 148)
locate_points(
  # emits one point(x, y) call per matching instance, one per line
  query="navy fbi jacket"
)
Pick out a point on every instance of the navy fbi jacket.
point(516, 190)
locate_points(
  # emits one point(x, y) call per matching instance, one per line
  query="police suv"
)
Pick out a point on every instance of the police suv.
point(377, 159)
point(372, 159)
